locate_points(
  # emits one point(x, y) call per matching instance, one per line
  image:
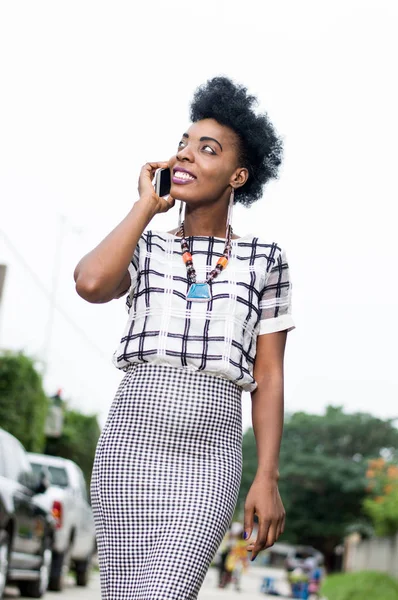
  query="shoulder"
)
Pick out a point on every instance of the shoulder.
point(153, 240)
point(151, 236)
point(261, 249)
point(266, 245)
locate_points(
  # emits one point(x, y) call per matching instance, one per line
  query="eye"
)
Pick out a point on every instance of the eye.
point(209, 149)
point(182, 144)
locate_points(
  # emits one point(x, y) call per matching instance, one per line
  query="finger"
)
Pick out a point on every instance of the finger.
point(167, 203)
point(271, 537)
point(156, 165)
point(261, 540)
point(150, 168)
point(279, 529)
point(283, 523)
point(171, 201)
point(248, 521)
point(279, 526)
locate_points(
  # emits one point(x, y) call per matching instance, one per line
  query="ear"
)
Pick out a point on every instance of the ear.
point(239, 177)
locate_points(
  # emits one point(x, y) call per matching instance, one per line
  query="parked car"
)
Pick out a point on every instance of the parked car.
point(26, 528)
point(66, 497)
point(297, 557)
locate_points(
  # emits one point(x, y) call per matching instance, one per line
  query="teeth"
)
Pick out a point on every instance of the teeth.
point(182, 175)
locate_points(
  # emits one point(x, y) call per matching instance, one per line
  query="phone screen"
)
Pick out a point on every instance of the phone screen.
point(163, 182)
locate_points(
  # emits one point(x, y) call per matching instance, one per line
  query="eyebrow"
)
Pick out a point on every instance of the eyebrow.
point(204, 139)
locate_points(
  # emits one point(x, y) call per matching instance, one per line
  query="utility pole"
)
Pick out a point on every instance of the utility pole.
point(63, 228)
point(53, 296)
point(3, 271)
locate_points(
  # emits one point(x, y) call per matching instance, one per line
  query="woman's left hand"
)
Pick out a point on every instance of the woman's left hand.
point(264, 500)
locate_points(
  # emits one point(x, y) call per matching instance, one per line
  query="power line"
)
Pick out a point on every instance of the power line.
point(47, 294)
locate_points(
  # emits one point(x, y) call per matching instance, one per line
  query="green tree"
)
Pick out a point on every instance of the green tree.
point(23, 411)
point(323, 467)
point(382, 501)
point(78, 440)
point(23, 403)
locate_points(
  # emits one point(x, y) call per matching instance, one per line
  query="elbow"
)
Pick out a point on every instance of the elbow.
point(89, 289)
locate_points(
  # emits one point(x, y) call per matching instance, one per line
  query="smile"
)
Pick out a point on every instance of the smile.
point(182, 177)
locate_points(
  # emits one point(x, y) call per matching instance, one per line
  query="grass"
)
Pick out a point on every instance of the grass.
point(364, 585)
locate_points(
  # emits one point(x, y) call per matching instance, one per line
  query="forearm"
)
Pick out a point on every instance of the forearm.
point(267, 418)
point(101, 271)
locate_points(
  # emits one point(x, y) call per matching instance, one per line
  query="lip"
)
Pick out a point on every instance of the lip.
point(183, 171)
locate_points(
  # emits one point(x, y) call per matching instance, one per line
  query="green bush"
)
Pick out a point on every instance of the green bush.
point(78, 440)
point(364, 585)
point(23, 403)
point(23, 412)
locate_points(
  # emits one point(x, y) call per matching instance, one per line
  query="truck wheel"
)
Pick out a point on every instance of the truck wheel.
point(38, 587)
point(83, 571)
point(4, 558)
point(59, 570)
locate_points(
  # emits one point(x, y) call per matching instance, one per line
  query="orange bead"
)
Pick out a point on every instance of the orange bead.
point(186, 257)
point(223, 261)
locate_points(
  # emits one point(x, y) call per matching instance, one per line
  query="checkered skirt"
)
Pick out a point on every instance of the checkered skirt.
point(165, 481)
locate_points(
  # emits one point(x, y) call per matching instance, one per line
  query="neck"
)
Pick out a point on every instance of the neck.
point(206, 220)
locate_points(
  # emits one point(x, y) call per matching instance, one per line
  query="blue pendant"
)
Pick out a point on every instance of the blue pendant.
point(199, 292)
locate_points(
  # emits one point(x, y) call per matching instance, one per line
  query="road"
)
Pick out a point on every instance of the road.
point(250, 585)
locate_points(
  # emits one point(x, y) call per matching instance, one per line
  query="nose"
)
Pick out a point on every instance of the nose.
point(185, 154)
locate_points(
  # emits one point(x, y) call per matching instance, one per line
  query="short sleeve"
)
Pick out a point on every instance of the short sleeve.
point(276, 298)
point(133, 269)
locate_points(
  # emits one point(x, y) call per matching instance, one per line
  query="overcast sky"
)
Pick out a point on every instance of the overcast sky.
point(92, 90)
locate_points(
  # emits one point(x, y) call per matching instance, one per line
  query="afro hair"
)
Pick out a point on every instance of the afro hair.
point(260, 147)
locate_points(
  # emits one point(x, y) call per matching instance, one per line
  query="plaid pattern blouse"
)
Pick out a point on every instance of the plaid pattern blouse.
point(251, 297)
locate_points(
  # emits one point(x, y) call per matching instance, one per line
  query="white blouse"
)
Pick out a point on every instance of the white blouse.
point(251, 297)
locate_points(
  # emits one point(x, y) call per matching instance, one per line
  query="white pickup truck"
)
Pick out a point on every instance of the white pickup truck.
point(74, 543)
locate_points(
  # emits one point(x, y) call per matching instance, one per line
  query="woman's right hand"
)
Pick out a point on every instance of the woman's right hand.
point(147, 191)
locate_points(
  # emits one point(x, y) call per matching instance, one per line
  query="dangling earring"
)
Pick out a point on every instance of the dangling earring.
point(180, 217)
point(228, 232)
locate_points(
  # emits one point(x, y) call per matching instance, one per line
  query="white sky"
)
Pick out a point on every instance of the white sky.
point(92, 90)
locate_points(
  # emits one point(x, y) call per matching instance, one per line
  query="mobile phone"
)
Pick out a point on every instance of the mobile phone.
point(162, 182)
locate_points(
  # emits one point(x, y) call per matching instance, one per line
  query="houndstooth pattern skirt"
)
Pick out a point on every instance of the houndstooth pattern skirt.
point(165, 481)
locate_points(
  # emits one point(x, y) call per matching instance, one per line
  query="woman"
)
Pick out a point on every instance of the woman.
point(208, 317)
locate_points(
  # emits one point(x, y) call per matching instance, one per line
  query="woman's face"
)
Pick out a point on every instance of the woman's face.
point(206, 163)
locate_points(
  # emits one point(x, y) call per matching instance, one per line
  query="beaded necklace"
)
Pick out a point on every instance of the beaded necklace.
point(200, 291)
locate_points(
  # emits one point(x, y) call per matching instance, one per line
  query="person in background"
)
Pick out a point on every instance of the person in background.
point(237, 560)
point(314, 576)
point(223, 551)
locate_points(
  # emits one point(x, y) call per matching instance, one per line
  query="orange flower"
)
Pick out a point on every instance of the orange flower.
point(392, 472)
